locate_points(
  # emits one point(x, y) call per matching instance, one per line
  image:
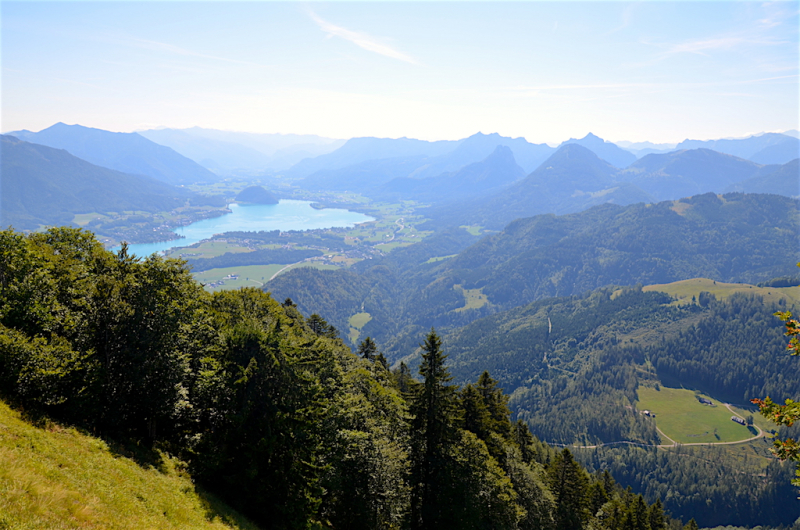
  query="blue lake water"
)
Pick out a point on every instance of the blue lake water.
point(286, 215)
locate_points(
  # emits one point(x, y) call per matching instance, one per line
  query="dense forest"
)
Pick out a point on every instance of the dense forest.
point(271, 410)
point(733, 238)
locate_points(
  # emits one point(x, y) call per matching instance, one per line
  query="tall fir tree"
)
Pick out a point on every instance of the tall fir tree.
point(433, 432)
point(568, 482)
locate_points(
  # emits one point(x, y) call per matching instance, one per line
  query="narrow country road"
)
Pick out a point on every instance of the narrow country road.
point(674, 443)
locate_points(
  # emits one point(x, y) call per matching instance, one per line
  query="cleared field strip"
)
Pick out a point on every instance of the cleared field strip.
point(685, 420)
point(248, 275)
point(684, 290)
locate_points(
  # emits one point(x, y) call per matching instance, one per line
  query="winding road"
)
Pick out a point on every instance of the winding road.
point(673, 444)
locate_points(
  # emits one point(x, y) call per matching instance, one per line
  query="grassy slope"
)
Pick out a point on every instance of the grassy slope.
point(58, 478)
point(258, 275)
point(684, 419)
point(685, 289)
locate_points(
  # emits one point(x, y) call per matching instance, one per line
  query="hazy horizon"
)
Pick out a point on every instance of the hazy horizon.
point(650, 71)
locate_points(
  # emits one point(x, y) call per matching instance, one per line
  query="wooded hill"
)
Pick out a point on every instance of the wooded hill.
point(46, 186)
point(735, 237)
point(271, 410)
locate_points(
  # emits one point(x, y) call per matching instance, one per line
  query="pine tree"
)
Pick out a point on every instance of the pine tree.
point(656, 516)
point(496, 403)
point(475, 413)
point(367, 349)
point(568, 482)
point(433, 431)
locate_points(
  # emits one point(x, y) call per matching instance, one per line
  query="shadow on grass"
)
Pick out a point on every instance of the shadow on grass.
point(217, 510)
point(144, 455)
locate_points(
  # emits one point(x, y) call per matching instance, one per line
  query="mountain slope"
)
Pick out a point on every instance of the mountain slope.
point(363, 176)
point(689, 172)
point(477, 147)
point(496, 171)
point(769, 148)
point(608, 151)
point(42, 185)
point(126, 152)
point(357, 150)
point(785, 180)
point(218, 156)
point(57, 477)
point(572, 179)
point(736, 237)
point(231, 151)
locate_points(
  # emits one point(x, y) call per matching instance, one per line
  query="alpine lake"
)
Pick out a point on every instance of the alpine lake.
point(284, 216)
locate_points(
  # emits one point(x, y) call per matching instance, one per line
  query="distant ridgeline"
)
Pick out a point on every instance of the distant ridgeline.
point(270, 410)
point(46, 186)
point(734, 238)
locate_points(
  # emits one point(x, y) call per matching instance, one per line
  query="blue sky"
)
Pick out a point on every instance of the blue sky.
point(547, 71)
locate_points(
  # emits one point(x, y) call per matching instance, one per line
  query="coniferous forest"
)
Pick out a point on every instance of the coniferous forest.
point(270, 410)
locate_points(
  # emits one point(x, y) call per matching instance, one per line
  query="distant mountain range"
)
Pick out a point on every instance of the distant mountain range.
point(125, 152)
point(768, 148)
point(228, 152)
point(606, 150)
point(575, 178)
point(479, 180)
point(46, 186)
point(735, 237)
point(496, 171)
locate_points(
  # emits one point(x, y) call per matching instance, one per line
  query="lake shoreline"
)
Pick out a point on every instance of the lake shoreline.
point(287, 215)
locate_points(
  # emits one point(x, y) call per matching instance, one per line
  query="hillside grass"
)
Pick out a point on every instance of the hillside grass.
point(684, 419)
point(208, 249)
point(58, 478)
point(357, 321)
point(249, 275)
point(684, 290)
point(473, 298)
point(440, 258)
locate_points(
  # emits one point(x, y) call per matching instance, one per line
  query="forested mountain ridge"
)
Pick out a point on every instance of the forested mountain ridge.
point(735, 237)
point(270, 409)
point(46, 186)
point(573, 367)
point(574, 179)
point(126, 152)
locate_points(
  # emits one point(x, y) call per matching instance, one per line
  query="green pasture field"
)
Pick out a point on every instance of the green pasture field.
point(249, 275)
point(57, 477)
point(441, 258)
point(684, 419)
point(685, 289)
point(208, 249)
point(357, 321)
point(82, 219)
point(473, 298)
point(475, 230)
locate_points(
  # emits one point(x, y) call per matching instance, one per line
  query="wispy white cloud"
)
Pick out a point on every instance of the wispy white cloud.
point(701, 46)
point(362, 40)
point(177, 50)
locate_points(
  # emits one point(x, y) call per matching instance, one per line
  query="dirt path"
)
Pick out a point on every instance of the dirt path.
point(286, 267)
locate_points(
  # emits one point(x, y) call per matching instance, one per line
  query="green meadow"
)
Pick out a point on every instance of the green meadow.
point(249, 275)
point(59, 478)
point(684, 290)
point(357, 321)
point(683, 418)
